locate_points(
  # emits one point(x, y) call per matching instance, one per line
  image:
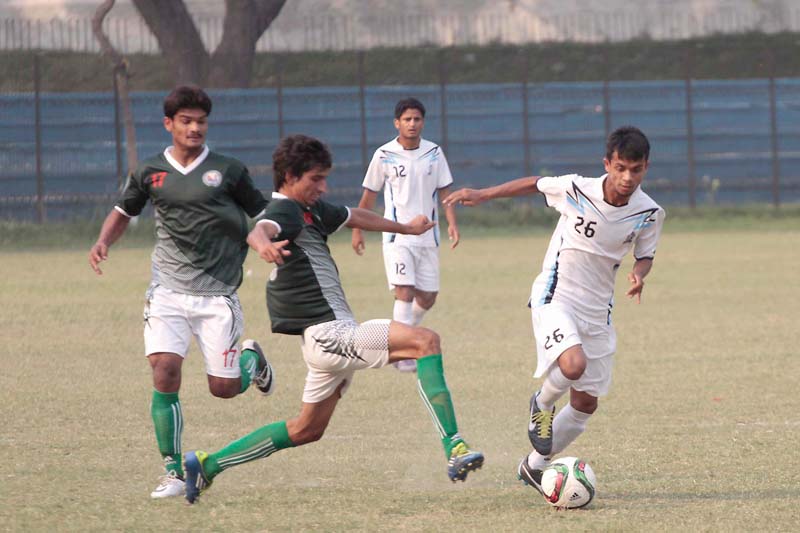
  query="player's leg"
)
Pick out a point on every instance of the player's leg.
point(217, 323)
point(424, 346)
point(427, 282)
point(166, 337)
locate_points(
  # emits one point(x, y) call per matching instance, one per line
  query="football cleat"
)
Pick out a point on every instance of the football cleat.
point(462, 462)
point(540, 428)
point(196, 480)
point(169, 485)
point(265, 375)
point(531, 476)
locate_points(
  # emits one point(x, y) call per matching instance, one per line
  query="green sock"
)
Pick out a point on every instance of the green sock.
point(248, 364)
point(168, 422)
point(262, 442)
point(434, 392)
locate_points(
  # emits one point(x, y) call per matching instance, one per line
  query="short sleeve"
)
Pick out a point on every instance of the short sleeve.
point(134, 196)
point(373, 180)
point(555, 189)
point(645, 247)
point(443, 175)
point(244, 191)
point(333, 217)
point(288, 215)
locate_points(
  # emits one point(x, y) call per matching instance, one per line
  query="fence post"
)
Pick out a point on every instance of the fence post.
point(117, 126)
point(526, 130)
point(443, 97)
point(362, 109)
point(279, 88)
point(606, 89)
point(773, 121)
point(37, 89)
point(690, 129)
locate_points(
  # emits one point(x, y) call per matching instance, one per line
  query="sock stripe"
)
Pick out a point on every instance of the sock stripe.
point(431, 411)
point(177, 422)
point(264, 449)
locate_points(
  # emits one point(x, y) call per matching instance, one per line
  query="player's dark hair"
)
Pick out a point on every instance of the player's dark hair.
point(630, 144)
point(297, 154)
point(186, 97)
point(406, 104)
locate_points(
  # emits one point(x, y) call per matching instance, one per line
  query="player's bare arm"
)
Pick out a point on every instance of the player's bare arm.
point(367, 202)
point(639, 271)
point(260, 240)
point(509, 189)
point(370, 221)
point(452, 222)
point(114, 226)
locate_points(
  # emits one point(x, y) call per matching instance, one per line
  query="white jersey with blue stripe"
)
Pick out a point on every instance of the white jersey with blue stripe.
point(589, 242)
point(410, 180)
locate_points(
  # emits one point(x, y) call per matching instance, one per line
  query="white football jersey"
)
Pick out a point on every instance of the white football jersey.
point(410, 180)
point(589, 242)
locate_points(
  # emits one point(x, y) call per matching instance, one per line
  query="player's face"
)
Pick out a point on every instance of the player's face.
point(624, 177)
point(409, 125)
point(188, 128)
point(309, 187)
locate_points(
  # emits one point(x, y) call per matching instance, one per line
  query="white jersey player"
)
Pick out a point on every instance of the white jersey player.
point(413, 174)
point(602, 219)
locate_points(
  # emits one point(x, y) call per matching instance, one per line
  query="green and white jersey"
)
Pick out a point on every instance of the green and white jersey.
point(201, 222)
point(305, 290)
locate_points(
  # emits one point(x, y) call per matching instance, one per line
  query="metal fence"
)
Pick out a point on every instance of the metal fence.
point(337, 32)
point(726, 141)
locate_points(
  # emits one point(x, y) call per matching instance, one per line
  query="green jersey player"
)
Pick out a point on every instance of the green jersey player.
point(201, 201)
point(602, 219)
point(305, 298)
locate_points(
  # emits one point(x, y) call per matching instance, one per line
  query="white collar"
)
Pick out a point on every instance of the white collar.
point(193, 165)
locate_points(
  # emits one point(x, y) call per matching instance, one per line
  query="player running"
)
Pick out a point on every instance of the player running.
point(201, 200)
point(571, 299)
point(305, 298)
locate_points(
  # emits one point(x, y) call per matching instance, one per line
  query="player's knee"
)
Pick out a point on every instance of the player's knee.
point(428, 342)
point(224, 388)
point(572, 364)
point(585, 404)
point(425, 299)
point(166, 377)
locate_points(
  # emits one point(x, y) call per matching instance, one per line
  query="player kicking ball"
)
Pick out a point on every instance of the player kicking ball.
point(602, 219)
point(305, 298)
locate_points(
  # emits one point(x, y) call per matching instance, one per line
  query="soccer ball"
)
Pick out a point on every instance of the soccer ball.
point(568, 483)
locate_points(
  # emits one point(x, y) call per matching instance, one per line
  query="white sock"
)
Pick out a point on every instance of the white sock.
point(402, 312)
point(568, 424)
point(417, 312)
point(536, 461)
point(553, 388)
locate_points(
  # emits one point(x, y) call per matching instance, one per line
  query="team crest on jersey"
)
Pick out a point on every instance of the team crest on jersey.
point(308, 218)
point(212, 178)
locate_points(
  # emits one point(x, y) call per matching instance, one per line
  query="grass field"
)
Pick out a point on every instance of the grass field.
point(699, 432)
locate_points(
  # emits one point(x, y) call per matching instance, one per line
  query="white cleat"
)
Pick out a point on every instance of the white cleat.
point(169, 485)
point(406, 365)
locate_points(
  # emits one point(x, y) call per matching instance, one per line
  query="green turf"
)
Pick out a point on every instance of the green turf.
point(699, 432)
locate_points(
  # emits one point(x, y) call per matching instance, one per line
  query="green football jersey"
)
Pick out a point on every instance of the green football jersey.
point(200, 215)
point(306, 289)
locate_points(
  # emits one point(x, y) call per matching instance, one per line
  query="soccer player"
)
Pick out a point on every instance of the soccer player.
point(413, 174)
point(201, 200)
point(305, 298)
point(571, 299)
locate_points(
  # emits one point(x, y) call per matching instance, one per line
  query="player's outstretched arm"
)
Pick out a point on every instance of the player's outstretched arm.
point(370, 221)
point(452, 222)
point(367, 202)
point(260, 240)
point(509, 189)
point(114, 226)
point(641, 268)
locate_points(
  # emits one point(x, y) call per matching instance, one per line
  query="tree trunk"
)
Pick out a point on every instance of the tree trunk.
point(178, 38)
point(245, 22)
point(122, 75)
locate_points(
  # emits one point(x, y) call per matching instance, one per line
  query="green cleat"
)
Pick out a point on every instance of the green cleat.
point(196, 479)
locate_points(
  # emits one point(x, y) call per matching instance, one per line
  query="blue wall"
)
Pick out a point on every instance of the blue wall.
point(731, 122)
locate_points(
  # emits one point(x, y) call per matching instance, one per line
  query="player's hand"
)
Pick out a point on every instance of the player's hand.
point(637, 285)
point(358, 241)
point(419, 225)
point(273, 252)
point(98, 253)
point(454, 235)
point(464, 197)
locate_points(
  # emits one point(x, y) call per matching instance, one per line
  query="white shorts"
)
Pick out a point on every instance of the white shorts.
point(556, 328)
point(334, 350)
point(417, 266)
point(217, 322)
